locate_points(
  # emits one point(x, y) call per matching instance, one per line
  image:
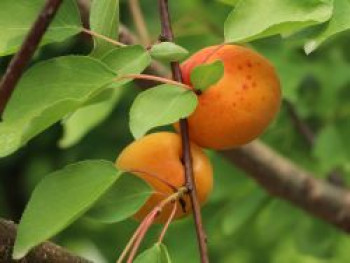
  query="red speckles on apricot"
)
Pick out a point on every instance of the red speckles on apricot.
point(249, 98)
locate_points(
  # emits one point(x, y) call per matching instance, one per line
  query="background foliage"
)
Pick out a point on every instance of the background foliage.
point(243, 223)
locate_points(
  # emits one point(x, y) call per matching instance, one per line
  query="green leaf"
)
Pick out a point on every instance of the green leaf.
point(60, 199)
point(253, 19)
point(203, 76)
point(168, 51)
point(46, 93)
point(104, 19)
point(17, 17)
point(156, 254)
point(122, 201)
point(162, 105)
point(339, 22)
point(329, 148)
point(125, 60)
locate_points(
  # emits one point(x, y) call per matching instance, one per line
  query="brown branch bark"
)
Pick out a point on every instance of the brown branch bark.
point(282, 178)
point(20, 60)
point(167, 35)
point(45, 253)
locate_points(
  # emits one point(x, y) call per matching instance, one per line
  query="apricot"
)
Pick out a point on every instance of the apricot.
point(240, 106)
point(156, 158)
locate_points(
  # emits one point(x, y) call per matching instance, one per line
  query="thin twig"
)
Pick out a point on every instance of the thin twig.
point(20, 60)
point(133, 239)
point(107, 39)
point(139, 22)
point(139, 234)
point(334, 176)
point(154, 78)
point(166, 226)
point(167, 35)
point(300, 125)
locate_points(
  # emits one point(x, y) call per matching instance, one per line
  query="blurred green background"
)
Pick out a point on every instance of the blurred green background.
point(244, 224)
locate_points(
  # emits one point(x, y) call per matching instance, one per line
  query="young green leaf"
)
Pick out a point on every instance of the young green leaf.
point(203, 76)
point(339, 22)
point(104, 19)
point(122, 201)
point(168, 51)
point(124, 60)
point(60, 199)
point(17, 17)
point(162, 105)
point(156, 254)
point(47, 92)
point(248, 20)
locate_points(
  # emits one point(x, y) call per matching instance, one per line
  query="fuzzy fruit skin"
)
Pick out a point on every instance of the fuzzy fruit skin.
point(239, 107)
point(159, 154)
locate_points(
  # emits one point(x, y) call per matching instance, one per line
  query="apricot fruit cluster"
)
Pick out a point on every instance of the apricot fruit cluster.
point(230, 113)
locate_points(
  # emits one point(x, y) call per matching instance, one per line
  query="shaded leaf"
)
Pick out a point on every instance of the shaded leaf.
point(61, 198)
point(122, 201)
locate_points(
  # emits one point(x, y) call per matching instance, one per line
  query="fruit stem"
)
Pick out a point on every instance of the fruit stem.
point(154, 78)
point(146, 223)
point(166, 226)
point(167, 35)
point(107, 39)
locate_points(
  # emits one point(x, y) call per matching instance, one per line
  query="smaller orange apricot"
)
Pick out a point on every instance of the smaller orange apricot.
point(239, 107)
point(156, 158)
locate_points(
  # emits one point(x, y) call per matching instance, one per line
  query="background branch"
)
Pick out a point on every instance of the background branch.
point(20, 60)
point(45, 253)
point(281, 178)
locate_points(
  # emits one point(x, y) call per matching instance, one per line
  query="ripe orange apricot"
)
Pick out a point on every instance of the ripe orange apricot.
point(239, 107)
point(156, 158)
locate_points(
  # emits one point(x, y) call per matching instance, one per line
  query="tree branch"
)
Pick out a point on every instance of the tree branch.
point(167, 35)
point(281, 178)
point(20, 60)
point(45, 253)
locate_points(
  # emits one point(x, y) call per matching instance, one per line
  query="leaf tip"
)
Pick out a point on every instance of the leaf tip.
point(310, 47)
